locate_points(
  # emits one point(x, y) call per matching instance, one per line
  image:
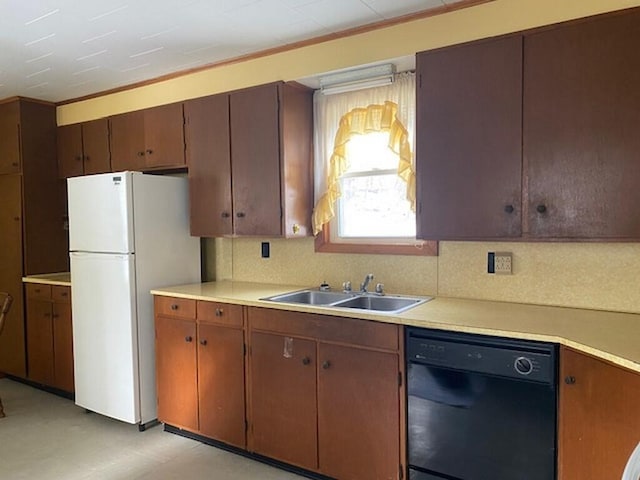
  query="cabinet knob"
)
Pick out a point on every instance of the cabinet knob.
point(79, 158)
point(306, 361)
point(240, 214)
point(174, 306)
point(569, 380)
point(14, 164)
point(87, 158)
point(149, 151)
point(141, 154)
point(508, 208)
point(326, 364)
point(47, 315)
point(55, 315)
point(63, 294)
point(188, 339)
point(225, 214)
point(219, 312)
point(17, 219)
point(37, 290)
point(541, 208)
point(203, 342)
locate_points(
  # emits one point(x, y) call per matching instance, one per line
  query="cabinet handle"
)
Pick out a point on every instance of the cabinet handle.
point(141, 154)
point(240, 214)
point(188, 339)
point(203, 342)
point(541, 208)
point(306, 361)
point(570, 380)
point(508, 208)
point(219, 312)
point(225, 215)
point(149, 151)
point(87, 158)
point(174, 306)
point(326, 364)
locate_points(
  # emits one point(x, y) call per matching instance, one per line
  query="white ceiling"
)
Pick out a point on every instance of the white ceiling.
point(62, 49)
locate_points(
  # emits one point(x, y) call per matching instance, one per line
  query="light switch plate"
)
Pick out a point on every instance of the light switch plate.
point(503, 263)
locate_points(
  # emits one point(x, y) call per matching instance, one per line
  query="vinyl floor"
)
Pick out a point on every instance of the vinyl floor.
point(45, 437)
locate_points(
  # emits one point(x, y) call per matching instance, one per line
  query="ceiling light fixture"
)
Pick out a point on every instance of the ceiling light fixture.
point(357, 79)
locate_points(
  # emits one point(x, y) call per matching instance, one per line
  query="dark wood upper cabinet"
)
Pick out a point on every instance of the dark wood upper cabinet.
point(209, 161)
point(148, 139)
point(256, 180)
point(9, 137)
point(164, 136)
point(468, 145)
point(83, 148)
point(581, 117)
point(127, 141)
point(95, 145)
point(256, 173)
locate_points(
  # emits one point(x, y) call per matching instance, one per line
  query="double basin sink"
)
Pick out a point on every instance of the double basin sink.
point(369, 302)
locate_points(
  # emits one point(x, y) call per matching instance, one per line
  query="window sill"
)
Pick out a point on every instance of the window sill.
point(324, 245)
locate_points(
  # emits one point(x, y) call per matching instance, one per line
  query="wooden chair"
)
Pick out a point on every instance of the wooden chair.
point(6, 300)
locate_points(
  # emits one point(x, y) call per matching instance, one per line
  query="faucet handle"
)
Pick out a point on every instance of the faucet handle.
point(346, 286)
point(380, 288)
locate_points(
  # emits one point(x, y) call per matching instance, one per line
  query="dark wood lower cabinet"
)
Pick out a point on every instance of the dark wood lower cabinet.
point(221, 396)
point(283, 399)
point(176, 367)
point(599, 417)
point(358, 413)
point(50, 336)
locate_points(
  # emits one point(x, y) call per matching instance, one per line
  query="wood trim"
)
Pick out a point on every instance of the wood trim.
point(323, 244)
point(292, 46)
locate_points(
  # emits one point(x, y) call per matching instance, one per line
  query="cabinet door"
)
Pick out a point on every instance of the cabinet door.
point(209, 160)
point(62, 346)
point(221, 384)
point(599, 417)
point(255, 161)
point(70, 155)
point(40, 341)
point(12, 340)
point(283, 399)
point(127, 141)
point(469, 141)
point(176, 372)
point(10, 137)
point(95, 144)
point(358, 413)
point(164, 136)
point(581, 142)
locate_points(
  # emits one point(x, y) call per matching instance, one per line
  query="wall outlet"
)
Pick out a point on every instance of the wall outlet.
point(503, 263)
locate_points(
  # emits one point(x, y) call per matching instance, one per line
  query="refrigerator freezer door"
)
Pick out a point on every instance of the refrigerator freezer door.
point(105, 336)
point(101, 213)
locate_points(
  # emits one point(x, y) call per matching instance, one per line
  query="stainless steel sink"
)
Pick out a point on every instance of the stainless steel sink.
point(381, 304)
point(360, 301)
point(311, 297)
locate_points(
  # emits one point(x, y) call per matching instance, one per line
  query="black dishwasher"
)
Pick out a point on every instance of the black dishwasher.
point(480, 407)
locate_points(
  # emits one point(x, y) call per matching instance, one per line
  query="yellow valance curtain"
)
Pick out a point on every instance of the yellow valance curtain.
point(374, 118)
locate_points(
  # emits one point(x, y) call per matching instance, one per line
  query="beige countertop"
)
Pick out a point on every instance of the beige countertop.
point(608, 335)
point(61, 278)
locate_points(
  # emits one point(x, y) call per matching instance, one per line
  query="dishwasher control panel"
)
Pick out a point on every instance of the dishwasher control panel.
point(533, 361)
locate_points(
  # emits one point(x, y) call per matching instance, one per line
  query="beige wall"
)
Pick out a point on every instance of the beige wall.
point(586, 275)
point(601, 276)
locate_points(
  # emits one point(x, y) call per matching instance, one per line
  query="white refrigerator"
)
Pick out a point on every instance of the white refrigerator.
point(128, 234)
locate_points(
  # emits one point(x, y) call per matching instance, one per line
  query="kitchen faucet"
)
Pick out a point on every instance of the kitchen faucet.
point(363, 285)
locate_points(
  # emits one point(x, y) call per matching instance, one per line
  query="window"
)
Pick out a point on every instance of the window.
point(365, 181)
point(373, 205)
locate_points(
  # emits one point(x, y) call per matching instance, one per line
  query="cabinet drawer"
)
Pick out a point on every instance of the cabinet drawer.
point(325, 327)
point(224, 313)
point(61, 294)
point(175, 307)
point(38, 290)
